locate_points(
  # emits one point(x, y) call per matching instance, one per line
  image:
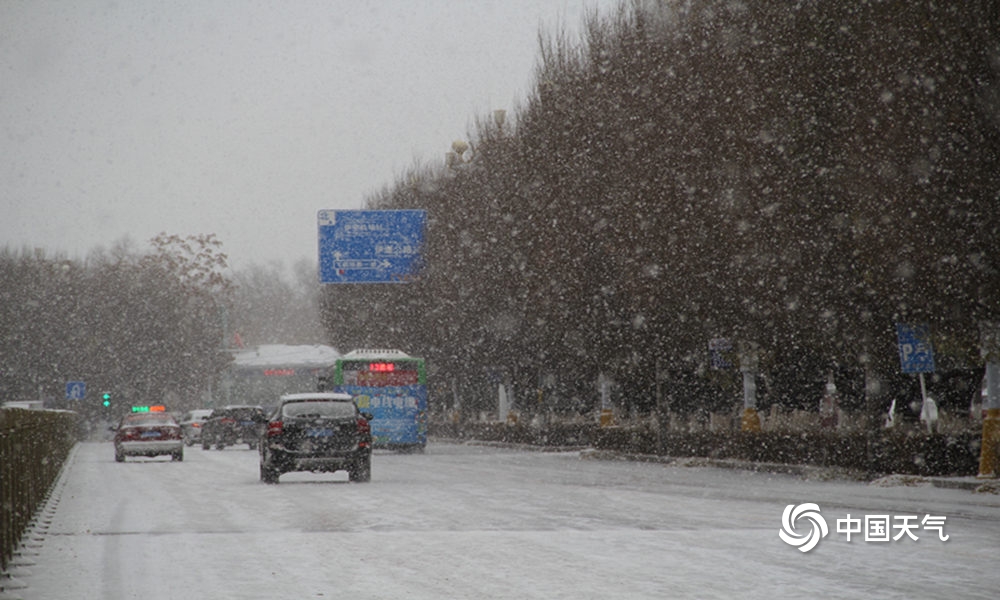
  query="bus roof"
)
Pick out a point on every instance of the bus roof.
point(377, 353)
point(271, 355)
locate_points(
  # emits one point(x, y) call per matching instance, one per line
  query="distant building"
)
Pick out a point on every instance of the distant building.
point(261, 375)
point(25, 404)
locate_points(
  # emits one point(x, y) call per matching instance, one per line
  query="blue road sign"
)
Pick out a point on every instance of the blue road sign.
point(76, 390)
point(370, 246)
point(916, 354)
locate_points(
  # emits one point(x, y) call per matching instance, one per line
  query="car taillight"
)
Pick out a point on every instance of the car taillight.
point(228, 420)
point(275, 428)
point(174, 433)
point(195, 424)
point(364, 430)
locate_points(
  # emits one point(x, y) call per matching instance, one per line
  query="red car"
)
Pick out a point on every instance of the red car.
point(148, 434)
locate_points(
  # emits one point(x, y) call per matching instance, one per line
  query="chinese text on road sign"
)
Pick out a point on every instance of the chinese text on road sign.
point(370, 246)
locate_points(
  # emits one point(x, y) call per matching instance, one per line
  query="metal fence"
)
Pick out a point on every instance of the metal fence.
point(34, 445)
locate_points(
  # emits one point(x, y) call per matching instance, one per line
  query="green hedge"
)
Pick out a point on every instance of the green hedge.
point(552, 435)
point(882, 452)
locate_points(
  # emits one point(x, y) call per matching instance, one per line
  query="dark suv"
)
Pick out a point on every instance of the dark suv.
point(232, 425)
point(320, 432)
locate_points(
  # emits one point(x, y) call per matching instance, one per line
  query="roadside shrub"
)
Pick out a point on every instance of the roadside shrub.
point(887, 451)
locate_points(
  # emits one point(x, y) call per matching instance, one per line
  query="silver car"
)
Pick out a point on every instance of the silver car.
point(191, 424)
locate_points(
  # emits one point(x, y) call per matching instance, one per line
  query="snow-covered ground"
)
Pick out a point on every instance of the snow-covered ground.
point(478, 522)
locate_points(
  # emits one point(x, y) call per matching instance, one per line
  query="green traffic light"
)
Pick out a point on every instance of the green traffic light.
point(107, 399)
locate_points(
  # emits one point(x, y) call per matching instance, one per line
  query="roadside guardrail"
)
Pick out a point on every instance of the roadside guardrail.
point(34, 445)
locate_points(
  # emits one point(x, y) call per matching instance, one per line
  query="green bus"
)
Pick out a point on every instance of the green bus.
point(392, 386)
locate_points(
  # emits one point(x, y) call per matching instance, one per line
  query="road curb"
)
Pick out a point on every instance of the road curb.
point(972, 484)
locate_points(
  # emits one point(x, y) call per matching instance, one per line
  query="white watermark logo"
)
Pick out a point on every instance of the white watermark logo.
point(817, 529)
point(875, 528)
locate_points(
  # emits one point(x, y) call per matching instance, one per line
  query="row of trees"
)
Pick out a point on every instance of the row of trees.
point(135, 324)
point(794, 177)
point(149, 326)
point(271, 305)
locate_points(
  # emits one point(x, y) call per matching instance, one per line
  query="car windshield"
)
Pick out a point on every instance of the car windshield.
point(322, 408)
point(234, 413)
point(245, 413)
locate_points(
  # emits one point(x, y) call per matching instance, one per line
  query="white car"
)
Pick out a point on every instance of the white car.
point(191, 424)
point(148, 434)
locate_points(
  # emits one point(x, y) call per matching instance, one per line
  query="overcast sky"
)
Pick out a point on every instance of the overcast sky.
point(241, 118)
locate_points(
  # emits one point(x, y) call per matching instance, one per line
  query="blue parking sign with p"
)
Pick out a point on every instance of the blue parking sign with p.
point(916, 354)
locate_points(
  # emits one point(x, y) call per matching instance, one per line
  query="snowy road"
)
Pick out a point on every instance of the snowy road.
point(479, 522)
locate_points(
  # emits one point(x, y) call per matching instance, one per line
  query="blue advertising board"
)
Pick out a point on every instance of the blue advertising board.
point(370, 246)
point(400, 412)
point(916, 354)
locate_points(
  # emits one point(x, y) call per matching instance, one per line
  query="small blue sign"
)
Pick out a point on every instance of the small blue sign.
point(370, 246)
point(719, 350)
point(916, 354)
point(76, 390)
